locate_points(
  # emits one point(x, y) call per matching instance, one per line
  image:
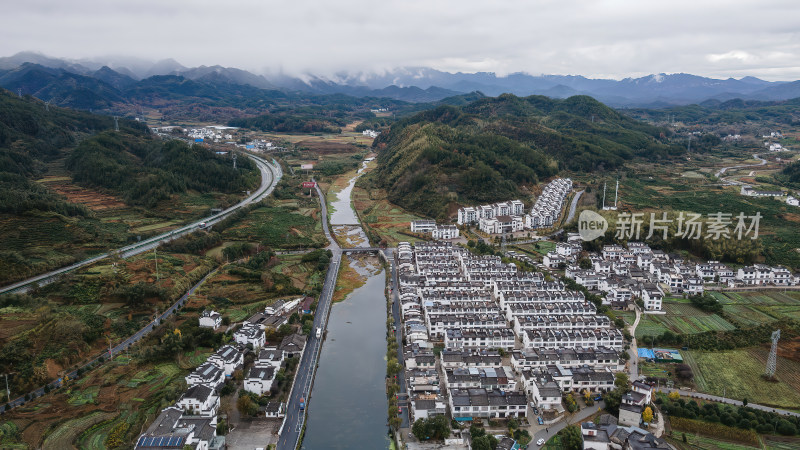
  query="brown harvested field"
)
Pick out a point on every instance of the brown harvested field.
point(789, 349)
point(94, 200)
point(327, 146)
point(11, 328)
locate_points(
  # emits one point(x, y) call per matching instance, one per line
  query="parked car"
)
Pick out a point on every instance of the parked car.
point(536, 410)
point(540, 442)
point(541, 422)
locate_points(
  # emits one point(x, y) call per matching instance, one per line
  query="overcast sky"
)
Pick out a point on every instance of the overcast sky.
point(606, 38)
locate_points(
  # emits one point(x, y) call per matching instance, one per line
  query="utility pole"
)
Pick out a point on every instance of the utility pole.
point(116, 123)
point(8, 391)
point(234, 160)
point(19, 92)
point(155, 258)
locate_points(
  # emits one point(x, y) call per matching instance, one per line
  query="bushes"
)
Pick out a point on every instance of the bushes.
point(706, 303)
point(195, 243)
point(436, 428)
point(728, 422)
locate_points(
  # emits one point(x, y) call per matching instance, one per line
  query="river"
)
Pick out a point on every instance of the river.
point(348, 403)
point(344, 220)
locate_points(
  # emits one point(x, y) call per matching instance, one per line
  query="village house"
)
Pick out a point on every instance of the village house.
point(250, 334)
point(199, 400)
point(259, 379)
point(207, 374)
point(210, 319)
point(229, 358)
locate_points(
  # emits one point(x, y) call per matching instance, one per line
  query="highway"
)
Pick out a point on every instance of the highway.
point(301, 388)
point(270, 176)
point(118, 348)
point(722, 171)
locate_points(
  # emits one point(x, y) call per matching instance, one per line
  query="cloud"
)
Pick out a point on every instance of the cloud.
point(608, 37)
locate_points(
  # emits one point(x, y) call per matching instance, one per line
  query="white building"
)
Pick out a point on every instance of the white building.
point(199, 400)
point(207, 374)
point(210, 319)
point(251, 334)
point(259, 380)
point(229, 358)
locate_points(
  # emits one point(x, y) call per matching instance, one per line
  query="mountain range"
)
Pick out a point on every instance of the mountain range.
point(418, 84)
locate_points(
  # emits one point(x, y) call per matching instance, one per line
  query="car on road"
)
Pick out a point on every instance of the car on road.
point(540, 442)
point(539, 419)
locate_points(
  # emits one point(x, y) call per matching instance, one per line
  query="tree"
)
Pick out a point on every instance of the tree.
point(246, 406)
point(572, 405)
point(744, 401)
point(522, 436)
point(222, 428)
point(647, 415)
point(621, 380)
point(571, 438)
point(485, 442)
point(674, 395)
point(419, 430)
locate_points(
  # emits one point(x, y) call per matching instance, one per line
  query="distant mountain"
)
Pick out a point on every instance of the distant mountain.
point(668, 89)
point(423, 85)
point(60, 86)
point(113, 78)
point(225, 74)
point(779, 92)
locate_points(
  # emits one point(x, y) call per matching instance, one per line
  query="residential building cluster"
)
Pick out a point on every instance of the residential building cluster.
point(439, 232)
point(477, 308)
point(548, 206)
point(192, 420)
point(510, 217)
point(622, 274)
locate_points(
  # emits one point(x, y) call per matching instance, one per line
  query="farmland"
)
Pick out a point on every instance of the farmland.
point(125, 394)
point(739, 373)
point(680, 318)
point(754, 308)
point(55, 327)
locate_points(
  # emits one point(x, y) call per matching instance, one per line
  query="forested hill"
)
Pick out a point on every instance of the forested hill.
point(128, 163)
point(494, 148)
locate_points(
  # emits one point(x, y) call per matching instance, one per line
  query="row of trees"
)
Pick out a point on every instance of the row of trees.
point(731, 416)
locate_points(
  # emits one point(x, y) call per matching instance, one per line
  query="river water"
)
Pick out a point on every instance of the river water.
point(343, 216)
point(348, 407)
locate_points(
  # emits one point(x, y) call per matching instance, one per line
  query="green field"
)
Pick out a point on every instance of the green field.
point(277, 227)
point(680, 318)
point(738, 373)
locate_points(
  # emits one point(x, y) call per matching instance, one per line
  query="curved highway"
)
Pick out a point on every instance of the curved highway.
point(270, 176)
point(722, 171)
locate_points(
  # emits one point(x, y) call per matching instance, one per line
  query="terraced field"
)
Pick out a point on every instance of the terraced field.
point(67, 432)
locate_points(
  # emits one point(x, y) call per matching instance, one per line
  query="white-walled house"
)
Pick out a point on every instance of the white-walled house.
point(199, 400)
point(251, 334)
point(207, 374)
point(259, 380)
point(210, 319)
point(228, 358)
